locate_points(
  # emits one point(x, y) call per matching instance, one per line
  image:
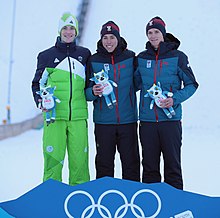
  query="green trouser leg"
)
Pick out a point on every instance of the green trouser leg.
point(77, 147)
point(70, 135)
point(54, 147)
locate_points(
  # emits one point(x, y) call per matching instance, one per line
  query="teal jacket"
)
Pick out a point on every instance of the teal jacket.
point(171, 68)
point(120, 68)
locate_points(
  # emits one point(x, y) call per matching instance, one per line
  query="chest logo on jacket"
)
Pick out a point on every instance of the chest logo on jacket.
point(106, 67)
point(80, 58)
point(149, 64)
point(56, 60)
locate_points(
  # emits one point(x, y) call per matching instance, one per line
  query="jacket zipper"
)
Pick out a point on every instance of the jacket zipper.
point(116, 88)
point(155, 81)
point(70, 107)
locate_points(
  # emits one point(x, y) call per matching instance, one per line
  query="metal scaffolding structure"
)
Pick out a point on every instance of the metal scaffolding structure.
point(11, 61)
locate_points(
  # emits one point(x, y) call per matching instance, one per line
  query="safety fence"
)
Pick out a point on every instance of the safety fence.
point(10, 130)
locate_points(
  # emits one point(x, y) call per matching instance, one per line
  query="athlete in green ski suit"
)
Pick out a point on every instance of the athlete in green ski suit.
point(63, 66)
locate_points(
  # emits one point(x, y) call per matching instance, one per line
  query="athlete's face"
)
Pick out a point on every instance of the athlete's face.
point(109, 42)
point(68, 34)
point(155, 36)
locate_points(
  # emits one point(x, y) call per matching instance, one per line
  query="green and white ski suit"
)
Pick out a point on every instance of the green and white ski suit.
point(63, 66)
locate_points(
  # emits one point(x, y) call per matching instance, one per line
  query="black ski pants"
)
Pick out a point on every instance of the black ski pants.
point(166, 138)
point(122, 137)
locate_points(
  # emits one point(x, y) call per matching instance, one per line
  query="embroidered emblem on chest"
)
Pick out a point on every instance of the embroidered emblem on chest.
point(148, 63)
point(106, 67)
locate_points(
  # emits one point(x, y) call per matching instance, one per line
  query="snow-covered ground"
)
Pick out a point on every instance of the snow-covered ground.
point(21, 162)
point(195, 23)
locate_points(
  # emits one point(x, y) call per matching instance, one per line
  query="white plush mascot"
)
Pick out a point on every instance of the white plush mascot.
point(156, 93)
point(103, 79)
point(48, 103)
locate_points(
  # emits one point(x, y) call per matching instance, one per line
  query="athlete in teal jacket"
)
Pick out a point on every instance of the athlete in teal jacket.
point(115, 126)
point(162, 63)
point(63, 66)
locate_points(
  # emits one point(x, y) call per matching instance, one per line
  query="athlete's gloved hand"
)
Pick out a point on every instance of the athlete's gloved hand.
point(40, 106)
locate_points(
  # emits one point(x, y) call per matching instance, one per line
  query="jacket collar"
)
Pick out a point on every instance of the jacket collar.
point(170, 43)
point(65, 46)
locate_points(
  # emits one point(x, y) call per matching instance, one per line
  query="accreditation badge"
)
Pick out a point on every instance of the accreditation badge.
point(106, 67)
point(148, 63)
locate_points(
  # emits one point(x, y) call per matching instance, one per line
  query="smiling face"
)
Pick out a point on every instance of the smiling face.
point(68, 34)
point(155, 37)
point(109, 42)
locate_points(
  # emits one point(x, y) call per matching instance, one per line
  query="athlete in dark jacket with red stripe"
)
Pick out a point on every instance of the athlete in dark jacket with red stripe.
point(115, 121)
point(161, 63)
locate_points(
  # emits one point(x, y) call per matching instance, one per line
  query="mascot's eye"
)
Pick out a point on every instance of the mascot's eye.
point(103, 75)
point(151, 92)
point(97, 77)
point(156, 88)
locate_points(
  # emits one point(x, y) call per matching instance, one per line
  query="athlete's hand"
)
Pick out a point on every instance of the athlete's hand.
point(166, 103)
point(97, 89)
point(40, 106)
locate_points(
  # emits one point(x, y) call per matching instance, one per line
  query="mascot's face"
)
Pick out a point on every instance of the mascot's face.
point(46, 92)
point(154, 91)
point(100, 77)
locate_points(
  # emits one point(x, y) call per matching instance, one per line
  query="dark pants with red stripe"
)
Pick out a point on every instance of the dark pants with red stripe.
point(124, 138)
point(166, 138)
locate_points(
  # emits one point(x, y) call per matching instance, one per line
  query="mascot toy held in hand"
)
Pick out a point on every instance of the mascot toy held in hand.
point(156, 93)
point(48, 103)
point(102, 78)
